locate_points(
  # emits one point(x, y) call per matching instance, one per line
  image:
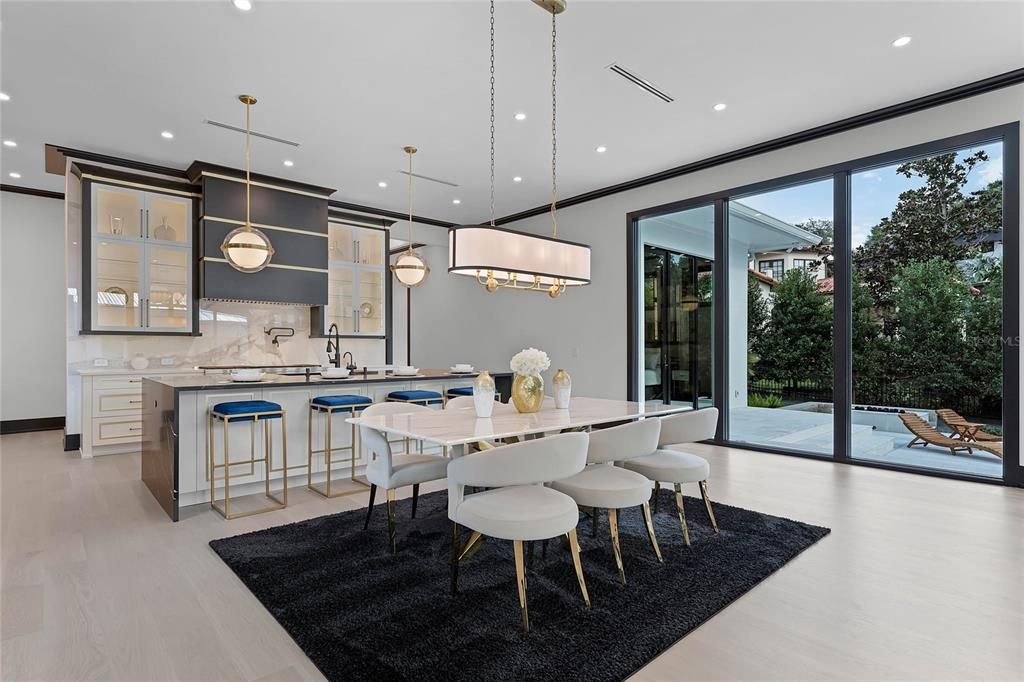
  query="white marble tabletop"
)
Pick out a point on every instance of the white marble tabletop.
point(450, 427)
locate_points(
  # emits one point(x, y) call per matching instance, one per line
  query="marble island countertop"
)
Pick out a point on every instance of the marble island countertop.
point(202, 382)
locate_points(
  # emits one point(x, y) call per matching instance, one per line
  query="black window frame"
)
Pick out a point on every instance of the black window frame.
point(771, 263)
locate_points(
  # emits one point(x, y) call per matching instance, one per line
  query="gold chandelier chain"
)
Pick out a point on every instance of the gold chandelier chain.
point(248, 184)
point(492, 113)
point(554, 118)
point(410, 152)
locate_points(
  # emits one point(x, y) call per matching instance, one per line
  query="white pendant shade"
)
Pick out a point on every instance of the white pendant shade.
point(482, 250)
point(247, 249)
point(410, 269)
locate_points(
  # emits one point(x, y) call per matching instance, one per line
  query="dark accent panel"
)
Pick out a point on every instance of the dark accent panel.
point(345, 205)
point(275, 285)
point(226, 199)
point(72, 441)
point(29, 425)
point(389, 308)
point(503, 386)
point(980, 87)
point(149, 181)
point(303, 250)
point(32, 191)
point(632, 323)
point(720, 291)
point(842, 319)
point(55, 155)
point(195, 170)
point(160, 444)
point(1013, 474)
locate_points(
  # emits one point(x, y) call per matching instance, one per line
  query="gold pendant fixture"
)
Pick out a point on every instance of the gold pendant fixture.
point(246, 248)
point(500, 258)
point(410, 269)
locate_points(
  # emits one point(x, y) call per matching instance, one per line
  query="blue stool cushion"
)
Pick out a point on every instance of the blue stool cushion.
point(247, 407)
point(428, 397)
point(357, 402)
point(461, 390)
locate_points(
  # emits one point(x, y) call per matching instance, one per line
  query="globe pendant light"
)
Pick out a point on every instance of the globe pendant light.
point(410, 269)
point(500, 258)
point(246, 248)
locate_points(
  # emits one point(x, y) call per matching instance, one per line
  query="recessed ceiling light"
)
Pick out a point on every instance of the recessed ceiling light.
point(456, 201)
point(901, 41)
point(720, 106)
point(289, 163)
point(167, 135)
point(601, 149)
point(382, 184)
point(517, 179)
point(244, 5)
point(10, 143)
point(4, 97)
point(520, 116)
point(15, 175)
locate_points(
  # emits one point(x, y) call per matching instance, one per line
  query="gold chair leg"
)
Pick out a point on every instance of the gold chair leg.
point(650, 530)
point(517, 548)
point(707, 504)
point(391, 519)
point(309, 447)
point(574, 547)
point(469, 549)
point(682, 513)
point(613, 525)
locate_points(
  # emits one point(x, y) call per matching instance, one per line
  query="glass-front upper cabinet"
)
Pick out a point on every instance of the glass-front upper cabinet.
point(139, 261)
point(357, 280)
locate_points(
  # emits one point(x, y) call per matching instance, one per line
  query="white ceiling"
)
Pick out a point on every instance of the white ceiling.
point(355, 81)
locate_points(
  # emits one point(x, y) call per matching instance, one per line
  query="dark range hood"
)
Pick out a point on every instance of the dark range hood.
point(292, 215)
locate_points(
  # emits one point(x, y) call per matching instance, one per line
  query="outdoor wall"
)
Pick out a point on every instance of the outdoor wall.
point(585, 330)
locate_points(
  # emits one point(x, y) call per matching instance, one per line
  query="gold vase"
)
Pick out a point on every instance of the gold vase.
point(528, 392)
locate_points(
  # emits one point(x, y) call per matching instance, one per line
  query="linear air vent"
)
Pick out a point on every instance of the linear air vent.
point(236, 129)
point(641, 83)
point(430, 179)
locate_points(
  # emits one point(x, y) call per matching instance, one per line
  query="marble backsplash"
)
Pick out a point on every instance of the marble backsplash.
point(232, 333)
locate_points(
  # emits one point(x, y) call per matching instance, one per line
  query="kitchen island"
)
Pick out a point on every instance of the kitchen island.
point(175, 416)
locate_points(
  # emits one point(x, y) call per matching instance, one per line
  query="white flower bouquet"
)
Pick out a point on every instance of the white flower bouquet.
point(529, 362)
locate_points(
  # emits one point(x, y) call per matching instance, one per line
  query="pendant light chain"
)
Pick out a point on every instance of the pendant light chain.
point(554, 118)
point(410, 151)
point(492, 113)
point(248, 184)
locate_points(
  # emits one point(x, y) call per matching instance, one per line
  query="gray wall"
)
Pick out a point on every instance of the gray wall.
point(31, 307)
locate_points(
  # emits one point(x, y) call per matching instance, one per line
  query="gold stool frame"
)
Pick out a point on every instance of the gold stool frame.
point(268, 452)
point(329, 449)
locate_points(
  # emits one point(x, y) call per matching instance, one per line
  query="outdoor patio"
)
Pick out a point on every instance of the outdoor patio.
point(812, 431)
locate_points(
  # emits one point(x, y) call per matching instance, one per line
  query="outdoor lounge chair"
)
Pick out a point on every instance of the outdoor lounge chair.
point(928, 435)
point(951, 417)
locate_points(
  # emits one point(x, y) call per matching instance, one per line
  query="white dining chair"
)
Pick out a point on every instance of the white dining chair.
point(390, 471)
point(673, 463)
point(603, 485)
point(459, 402)
point(517, 506)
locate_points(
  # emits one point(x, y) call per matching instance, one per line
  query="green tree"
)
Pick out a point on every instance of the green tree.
point(930, 299)
point(797, 346)
point(758, 316)
point(871, 347)
point(936, 220)
point(820, 226)
point(983, 359)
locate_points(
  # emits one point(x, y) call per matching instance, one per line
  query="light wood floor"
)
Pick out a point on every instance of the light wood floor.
point(921, 578)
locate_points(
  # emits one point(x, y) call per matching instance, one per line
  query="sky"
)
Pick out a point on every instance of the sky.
point(875, 193)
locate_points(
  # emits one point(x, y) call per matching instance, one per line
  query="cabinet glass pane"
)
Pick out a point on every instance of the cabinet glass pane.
point(339, 301)
point(371, 303)
point(170, 218)
point(118, 283)
point(118, 212)
point(168, 288)
point(371, 247)
point(340, 243)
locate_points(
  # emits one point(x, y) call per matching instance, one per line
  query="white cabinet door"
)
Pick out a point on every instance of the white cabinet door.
point(167, 305)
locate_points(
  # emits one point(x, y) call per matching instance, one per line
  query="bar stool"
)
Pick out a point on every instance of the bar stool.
point(425, 398)
point(328, 405)
point(461, 390)
point(252, 411)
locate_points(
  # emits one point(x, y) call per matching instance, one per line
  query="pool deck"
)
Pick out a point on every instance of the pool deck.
point(812, 431)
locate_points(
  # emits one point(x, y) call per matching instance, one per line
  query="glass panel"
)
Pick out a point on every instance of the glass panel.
point(170, 218)
point(654, 261)
point(118, 283)
point(339, 300)
point(927, 312)
point(118, 212)
point(371, 302)
point(168, 288)
point(340, 243)
point(371, 247)
point(780, 318)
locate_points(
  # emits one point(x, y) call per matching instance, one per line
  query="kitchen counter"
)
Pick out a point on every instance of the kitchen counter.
point(218, 382)
point(128, 371)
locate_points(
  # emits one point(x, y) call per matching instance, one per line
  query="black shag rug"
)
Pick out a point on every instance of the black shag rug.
point(360, 614)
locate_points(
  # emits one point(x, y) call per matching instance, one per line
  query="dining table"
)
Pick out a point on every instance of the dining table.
point(455, 428)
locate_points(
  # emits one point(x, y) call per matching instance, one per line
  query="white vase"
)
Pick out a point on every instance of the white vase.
point(483, 395)
point(562, 389)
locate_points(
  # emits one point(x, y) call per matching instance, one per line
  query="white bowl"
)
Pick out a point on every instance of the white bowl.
point(246, 375)
point(463, 368)
point(406, 371)
point(334, 372)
